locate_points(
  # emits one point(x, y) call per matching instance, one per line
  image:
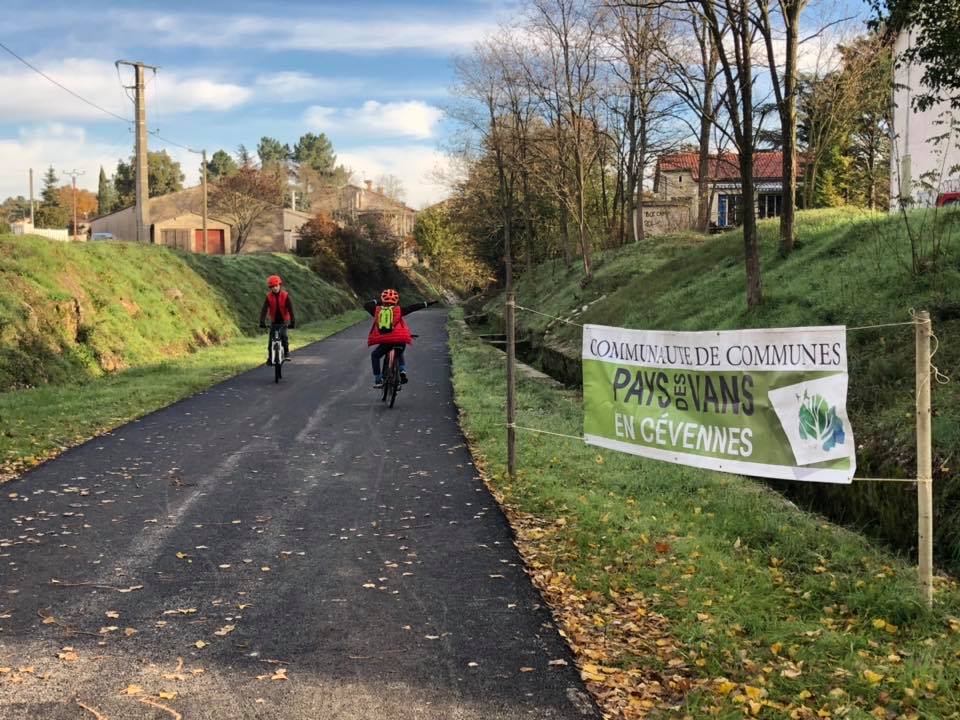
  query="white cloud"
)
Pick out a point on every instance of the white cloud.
point(312, 33)
point(417, 166)
point(295, 86)
point(413, 119)
point(30, 97)
point(67, 147)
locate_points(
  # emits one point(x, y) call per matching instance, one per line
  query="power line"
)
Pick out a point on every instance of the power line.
point(65, 88)
point(155, 133)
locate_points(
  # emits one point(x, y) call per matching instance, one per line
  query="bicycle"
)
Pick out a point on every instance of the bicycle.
point(391, 376)
point(277, 356)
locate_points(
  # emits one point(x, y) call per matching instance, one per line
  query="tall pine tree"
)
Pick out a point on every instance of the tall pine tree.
point(106, 195)
point(50, 214)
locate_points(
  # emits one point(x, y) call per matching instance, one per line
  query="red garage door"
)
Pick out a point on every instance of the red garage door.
point(215, 244)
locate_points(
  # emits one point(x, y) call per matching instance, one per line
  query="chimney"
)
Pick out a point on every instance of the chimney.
point(369, 184)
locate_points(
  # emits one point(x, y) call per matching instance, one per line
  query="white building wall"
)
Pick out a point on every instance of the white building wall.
point(914, 156)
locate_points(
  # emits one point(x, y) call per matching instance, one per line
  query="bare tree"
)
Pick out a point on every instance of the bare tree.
point(695, 70)
point(733, 32)
point(244, 197)
point(641, 29)
point(392, 187)
point(480, 83)
point(785, 92)
point(569, 31)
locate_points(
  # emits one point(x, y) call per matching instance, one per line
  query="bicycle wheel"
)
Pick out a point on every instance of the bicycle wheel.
point(394, 378)
point(394, 386)
point(277, 362)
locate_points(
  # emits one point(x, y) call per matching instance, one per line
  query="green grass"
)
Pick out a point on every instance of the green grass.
point(72, 311)
point(850, 267)
point(750, 586)
point(38, 423)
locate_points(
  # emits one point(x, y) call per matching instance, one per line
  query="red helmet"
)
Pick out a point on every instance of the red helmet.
point(389, 297)
point(274, 281)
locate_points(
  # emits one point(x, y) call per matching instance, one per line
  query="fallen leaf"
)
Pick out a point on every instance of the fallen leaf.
point(200, 644)
point(67, 655)
point(113, 614)
point(526, 669)
point(166, 695)
point(131, 690)
point(558, 662)
point(129, 632)
point(225, 630)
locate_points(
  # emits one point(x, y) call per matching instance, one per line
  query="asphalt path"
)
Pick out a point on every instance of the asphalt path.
point(277, 551)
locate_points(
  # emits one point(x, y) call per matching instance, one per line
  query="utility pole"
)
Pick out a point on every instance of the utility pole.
point(73, 175)
point(142, 168)
point(31, 197)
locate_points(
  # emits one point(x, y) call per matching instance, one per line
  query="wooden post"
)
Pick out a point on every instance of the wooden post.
point(924, 458)
point(511, 386)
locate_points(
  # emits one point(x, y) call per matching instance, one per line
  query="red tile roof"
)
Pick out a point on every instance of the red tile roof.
point(766, 165)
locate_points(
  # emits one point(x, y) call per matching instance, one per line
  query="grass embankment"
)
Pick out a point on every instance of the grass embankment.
point(687, 593)
point(93, 335)
point(70, 311)
point(849, 268)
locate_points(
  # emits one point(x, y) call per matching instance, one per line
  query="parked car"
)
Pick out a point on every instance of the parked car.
point(101, 236)
point(948, 198)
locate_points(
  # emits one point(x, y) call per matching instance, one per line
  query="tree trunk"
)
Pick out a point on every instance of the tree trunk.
point(641, 229)
point(582, 230)
point(789, 121)
point(704, 196)
point(565, 231)
point(527, 219)
point(751, 247)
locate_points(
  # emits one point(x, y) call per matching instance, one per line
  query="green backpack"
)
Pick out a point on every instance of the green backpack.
point(385, 319)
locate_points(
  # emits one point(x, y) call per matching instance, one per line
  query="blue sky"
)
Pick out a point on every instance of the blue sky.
point(374, 77)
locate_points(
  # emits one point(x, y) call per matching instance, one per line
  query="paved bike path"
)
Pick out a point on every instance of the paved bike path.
point(334, 558)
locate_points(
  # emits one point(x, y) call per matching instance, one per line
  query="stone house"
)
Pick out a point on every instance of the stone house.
point(352, 203)
point(176, 220)
point(677, 177)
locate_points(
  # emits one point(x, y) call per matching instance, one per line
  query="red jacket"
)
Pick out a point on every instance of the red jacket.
point(399, 335)
point(278, 307)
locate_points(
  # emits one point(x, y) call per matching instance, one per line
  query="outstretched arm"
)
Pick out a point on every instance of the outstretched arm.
point(417, 306)
point(370, 306)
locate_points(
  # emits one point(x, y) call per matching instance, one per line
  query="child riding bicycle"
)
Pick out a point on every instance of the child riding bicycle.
point(280, 308)
point(389, 330)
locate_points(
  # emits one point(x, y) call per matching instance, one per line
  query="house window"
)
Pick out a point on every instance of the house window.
point(728, 210)
point(769, 205)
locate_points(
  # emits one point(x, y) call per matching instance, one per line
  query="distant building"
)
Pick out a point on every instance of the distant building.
point(177, 221)
point(921, 169)
point(677, 177)
point(351, 203)
point(25, 227)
